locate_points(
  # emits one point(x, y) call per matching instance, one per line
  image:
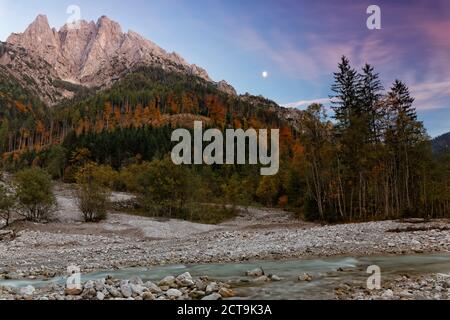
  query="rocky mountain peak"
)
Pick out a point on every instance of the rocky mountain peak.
point(95, 54)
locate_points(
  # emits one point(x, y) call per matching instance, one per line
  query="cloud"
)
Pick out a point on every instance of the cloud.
point(306, 103)
point(431, 95)
point(281, 52)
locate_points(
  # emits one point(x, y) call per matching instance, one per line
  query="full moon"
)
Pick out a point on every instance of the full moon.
point(265, 74)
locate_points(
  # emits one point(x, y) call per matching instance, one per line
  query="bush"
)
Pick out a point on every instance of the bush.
point(94, 182)
point(34, 189)
point(101, 175)
point(92, 201)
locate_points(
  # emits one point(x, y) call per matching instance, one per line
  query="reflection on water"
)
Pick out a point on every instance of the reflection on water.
point(324, 272)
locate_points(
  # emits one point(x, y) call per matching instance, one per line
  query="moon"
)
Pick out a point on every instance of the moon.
point(265, 74)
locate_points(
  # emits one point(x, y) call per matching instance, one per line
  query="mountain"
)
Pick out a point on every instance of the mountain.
point(92, 83)
point(441, 143)
point(84, 54)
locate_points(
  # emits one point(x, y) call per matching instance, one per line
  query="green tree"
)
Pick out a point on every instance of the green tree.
point(94, 182)
point(34, 191)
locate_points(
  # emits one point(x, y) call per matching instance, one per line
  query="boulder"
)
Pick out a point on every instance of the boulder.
point(153, 288)
point(148, 296)
point(226, 293)
point(258, 272)
point(212, 297)
point(212, 287)
point(305, 277)
point(73, 291)
point(173, 293)
point(167, 282)
point(125, 288)
point(27, 291)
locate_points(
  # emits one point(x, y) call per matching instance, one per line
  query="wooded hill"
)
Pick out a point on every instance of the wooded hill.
point(373, 161)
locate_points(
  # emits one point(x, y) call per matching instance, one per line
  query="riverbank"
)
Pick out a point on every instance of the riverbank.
point(406, 287)
point(40, 251)
point(402, 278)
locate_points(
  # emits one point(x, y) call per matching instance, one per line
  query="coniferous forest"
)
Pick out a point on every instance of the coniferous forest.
point(369, 158)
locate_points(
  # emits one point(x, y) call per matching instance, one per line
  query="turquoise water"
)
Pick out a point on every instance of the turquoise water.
point(324, 272)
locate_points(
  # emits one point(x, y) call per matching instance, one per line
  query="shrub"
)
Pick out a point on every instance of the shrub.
point(34, 191)
point(94, 182)
point(102, 175)
point(92, 201)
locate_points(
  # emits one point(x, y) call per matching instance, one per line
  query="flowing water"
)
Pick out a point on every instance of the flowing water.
point(324, 272)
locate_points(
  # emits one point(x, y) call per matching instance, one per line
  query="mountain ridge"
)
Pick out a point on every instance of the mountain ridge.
point(441, 143)
point(95, 54)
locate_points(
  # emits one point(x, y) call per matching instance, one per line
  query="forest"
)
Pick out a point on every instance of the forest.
point(369, 158)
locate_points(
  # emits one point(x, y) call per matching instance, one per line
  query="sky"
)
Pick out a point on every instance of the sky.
point(285, 50)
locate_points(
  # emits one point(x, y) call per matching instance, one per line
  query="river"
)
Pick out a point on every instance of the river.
point(324, 272)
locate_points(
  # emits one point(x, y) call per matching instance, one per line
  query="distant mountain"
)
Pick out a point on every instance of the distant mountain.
point(87, 54)
point(441, 143)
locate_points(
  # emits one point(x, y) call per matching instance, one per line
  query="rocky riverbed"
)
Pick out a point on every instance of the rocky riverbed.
point(35, 251)
point(182, 287)
point(406, 287)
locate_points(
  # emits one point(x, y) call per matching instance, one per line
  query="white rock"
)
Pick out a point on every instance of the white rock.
point(126, 290)
point(212, 287)
point(173, 293)
point(388, 293)
point(27, 291)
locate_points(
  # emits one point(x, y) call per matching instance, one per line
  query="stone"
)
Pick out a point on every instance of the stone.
point(185, 280)
point(125, 288)
point(274, 277)
point(137, 289)
point(197, 294)
point(212, 287)
point(200, 285)
point(262, 279)
point(114, 292)
point(305, 277)
point(173, 293)
point(184, 276)
point(226, 293)
point(153, 288)
point(27, 291)
point(89, 285)
point(258, 272)
point(99, 285)
point(406, 294)
point(388, 294)
point(100, 296)
point(148, 296)
point(89, 293)
point(167, 282)
point(73, 291)
point(212, 297)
